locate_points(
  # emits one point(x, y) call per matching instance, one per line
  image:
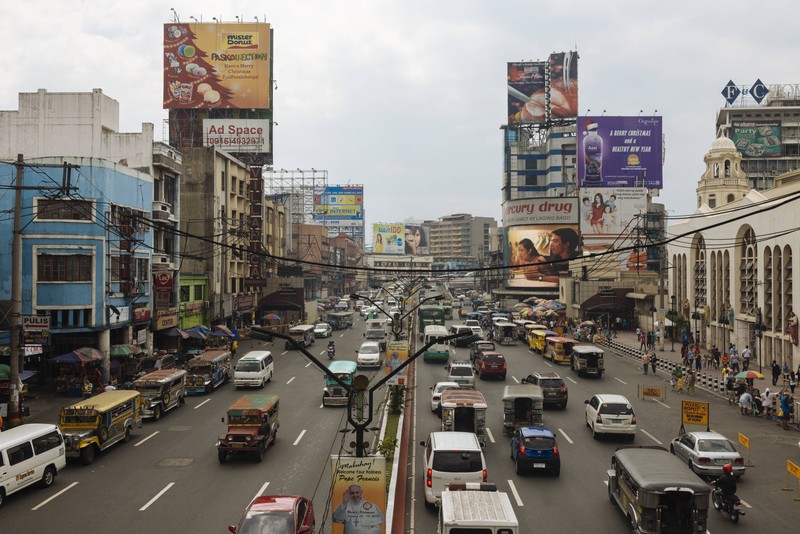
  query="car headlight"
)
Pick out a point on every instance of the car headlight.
point(248, 438)
point(229, 437)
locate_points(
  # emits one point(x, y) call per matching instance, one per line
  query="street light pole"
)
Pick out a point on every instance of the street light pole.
point(672, 301)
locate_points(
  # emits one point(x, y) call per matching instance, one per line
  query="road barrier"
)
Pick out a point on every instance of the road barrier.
point(744, 441)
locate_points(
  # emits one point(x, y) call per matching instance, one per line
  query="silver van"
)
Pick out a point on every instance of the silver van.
point(450, 457)
point(254, 369)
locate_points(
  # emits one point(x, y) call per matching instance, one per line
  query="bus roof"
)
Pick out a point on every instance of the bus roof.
point(106, 400)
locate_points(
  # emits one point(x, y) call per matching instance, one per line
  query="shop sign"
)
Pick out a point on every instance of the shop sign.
point(166, 321)
point(242, 302)
point(163, 281)
point(141, 314)
point(36, 322)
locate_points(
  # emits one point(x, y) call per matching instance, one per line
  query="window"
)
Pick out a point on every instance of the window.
point(46, 442)
point(184, 294)
point(169, 190)
point(20, 453)
point(64, 268)
point(64, 210)
point(223, 180)
point(198, 292)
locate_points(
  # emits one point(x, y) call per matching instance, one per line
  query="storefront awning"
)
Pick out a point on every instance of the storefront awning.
point(639, 296)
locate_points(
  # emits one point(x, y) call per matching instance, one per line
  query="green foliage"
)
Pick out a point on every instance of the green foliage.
point(397, 399)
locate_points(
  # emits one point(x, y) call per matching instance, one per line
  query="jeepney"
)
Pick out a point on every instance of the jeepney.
point(302, 334)
point(161, 391)
point(505, 333)
point(95, 424)
point(252, 427)
point(559, 349)
point(464, 410)
point(537, 340)
point(208, 371)
point(587, 360)
point(530, 328)
point(340, 320)
point(522, 328)
point(334, 394)
point(523, 405)
point(657, 492)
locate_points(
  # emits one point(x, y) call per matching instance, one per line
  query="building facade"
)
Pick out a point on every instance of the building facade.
point(461, 236)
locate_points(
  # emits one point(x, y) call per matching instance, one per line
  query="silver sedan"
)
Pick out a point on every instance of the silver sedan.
point(707, 452)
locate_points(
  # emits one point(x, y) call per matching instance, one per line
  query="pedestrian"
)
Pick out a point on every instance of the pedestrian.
point(673, 382)
point(785, 372)
point(690, 383)
point(716, 355)
point(730, 388)
point(653, 362)
point(785, 409)
point(776, 372)
point(709, 363)
point(642, 340)
point(698, 363)
point(680, 384)
point(646, 361)
point(740, 389)
point(746, 403)
point(792, 381)
point(734, 355)
point(690, 359)
point(746, 358)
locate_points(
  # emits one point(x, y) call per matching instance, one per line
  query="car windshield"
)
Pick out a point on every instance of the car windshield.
point(375, 334)
point(461, 371)
point(268, 522)
point(616, 409)
point(539, 443)
point(248, 367)
point(551, 382)
point(322, 326)
point(369, 349)
point(715, 445)
point(457, 461)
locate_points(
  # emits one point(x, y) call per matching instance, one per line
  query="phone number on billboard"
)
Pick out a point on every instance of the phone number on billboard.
point(236, 141)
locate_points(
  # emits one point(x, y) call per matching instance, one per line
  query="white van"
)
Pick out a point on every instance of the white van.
point(450, 457)
point(29, 454)
point(254, 369)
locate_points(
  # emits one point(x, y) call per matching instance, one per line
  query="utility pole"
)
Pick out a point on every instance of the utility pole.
point(16, 300)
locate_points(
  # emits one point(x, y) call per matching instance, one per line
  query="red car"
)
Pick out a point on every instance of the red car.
point(277, 514)
point(490, 364)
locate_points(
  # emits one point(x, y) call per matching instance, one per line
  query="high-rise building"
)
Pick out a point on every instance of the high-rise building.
point(461, 236)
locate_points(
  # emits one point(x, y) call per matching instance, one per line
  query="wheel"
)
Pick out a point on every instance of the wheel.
point(87, 454)
point(260, 453)
point(48, 477)
point(429, 505)
point(263, 383)
point(222, 456)
point(556, 472)
point(274, 437)
point(595, 434)
point(270, 377)
point(103, 435)
point(517, 466)
point(182, 400)
point(166, 399)
point(127, 437)
point(735, 516)
point(2, 496)
point(157, 413)
point(671, 448)
point(503, 377)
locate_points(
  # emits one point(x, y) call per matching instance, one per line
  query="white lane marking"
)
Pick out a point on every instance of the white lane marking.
point(745, 504)
point(618, 380)
point(145, 439)
point(548, 364)
point(651, 436)
point(514, 492)
point(284, 352)
point(605, 482)
point(514, 378)
point(571, 380)
point(290, 381)
point(299, 437)
point(158, 495)
point(322, 353)
point(566, 437)
point(53, 497)
point(202, 403)
point(489, 433)
point(260, 492)
point(309, 363)
point(661, 403)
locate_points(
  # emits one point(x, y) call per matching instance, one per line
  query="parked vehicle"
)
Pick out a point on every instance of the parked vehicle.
point(161, 391)
point(302, 334)
point(559, 349)
point(610, 414)
point(475, 507)
point(95, 424)
point(208, 371)
point(450, 457)
point(537, 340)
point(522, 330)
point(489, 364)
point(657, 492)
point(523, 405)
point(535, 448)
point(333, 394)
point(30, 454)
point(159, 361)
point(464, 410)
point(254, 369)
point(292, 514)
point(252, 427)
point(436, 395)
point(707, 452)
point(587, 360)
point(553, 386)
point(439, 351)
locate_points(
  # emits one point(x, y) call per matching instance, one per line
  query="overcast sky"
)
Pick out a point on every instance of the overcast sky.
point(407, 96)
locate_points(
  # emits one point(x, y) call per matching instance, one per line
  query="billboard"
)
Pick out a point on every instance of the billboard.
point(358, 502)
point(214, 65)
point(388, 238)
point(610, 212)
point(541, 235)
point(530, 82)
point(396, 355)
point(757, 139)
point(237, 135)
point(340, 205)
point(619, 152)
point(416, 239)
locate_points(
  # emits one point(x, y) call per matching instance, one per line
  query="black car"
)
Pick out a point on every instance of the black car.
point(553, 387)
point(476, 347)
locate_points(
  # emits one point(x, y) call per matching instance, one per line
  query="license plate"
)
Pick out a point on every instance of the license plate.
point(721, 461)
point(616, 421)
point(538, 466)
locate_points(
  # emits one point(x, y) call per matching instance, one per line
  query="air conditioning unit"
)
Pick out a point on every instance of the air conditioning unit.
point(206, 305)
point(160, 259)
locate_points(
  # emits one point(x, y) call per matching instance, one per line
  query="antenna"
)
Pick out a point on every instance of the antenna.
point(175, 14)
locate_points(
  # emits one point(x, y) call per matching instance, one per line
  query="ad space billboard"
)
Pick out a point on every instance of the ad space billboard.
point(416, 239)
point(237, 135)
point(388, 238)
point(619, 152)
point(757, 139)
point(564, 85)
point(216, 66)
point(526, 92)
point(541, 236)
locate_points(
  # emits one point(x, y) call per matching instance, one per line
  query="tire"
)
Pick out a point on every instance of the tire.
point(222, 456)
point(270, 377)
point(274, 438)
point(595, 434)
point(556, 472)
point(263, 383)
point(182, 400)
point(2, 496)
point(127, 437)
point(260, 453)
point(48, 477)
point(734, 515)
point(157, 413)
point(517, 466)
point(671, 448)
point(87, 454)
point(503, 377)
point(166, 399)
point(429, 505)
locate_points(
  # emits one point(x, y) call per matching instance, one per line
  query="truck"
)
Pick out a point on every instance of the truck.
point(476, 507)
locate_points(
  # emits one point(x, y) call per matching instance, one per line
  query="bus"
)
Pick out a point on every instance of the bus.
point(430, 314)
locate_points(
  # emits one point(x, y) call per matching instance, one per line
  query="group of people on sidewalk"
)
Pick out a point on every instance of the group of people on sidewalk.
point(777, 405)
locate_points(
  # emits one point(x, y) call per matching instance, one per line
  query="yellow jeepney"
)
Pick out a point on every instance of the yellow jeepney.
point(96, 423)
point(559, 349)
point(537, 339)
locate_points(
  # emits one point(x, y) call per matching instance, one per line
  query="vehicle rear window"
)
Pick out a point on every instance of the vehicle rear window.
point(539, 443)
point(494, 358)
point(461, 371)
point(551, 382)
point(715, 445)
point(616, 409)
point(457, 461)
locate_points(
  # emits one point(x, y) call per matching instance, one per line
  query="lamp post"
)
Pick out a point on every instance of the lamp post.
point(652, 320)
point(760, 327)
point(672, 301)
point(696, 316)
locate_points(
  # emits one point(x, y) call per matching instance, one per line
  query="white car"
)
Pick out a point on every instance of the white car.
point(610, 414)
point(472, 322)
point(369, 354)
point(322, 330)
point(461, 373)
point(477, 330)
point(436, 394)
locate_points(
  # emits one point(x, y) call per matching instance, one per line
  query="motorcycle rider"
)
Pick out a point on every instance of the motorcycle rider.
point(331, 349)
point(726, 484)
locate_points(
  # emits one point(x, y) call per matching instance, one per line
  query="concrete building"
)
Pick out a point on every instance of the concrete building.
point(461, 237)
point(538, 162)
point(388, 267)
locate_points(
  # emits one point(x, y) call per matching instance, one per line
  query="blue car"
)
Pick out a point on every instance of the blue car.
point(534, 448)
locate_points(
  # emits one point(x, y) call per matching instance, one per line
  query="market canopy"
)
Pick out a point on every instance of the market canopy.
point(175, 332)
point(123, 351)
point(198, 332)
point(221, 330)
point(81, 355)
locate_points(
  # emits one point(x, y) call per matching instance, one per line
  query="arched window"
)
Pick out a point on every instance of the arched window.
point(731, 198)
point(727, 168)
point(748, 263)
point(700, 292)
point(715, 170)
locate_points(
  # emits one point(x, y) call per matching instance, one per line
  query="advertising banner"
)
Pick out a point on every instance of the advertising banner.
point(237, 135)
point(611, 211)
point(619, 152)
point(416, 239)
point(396, 355)
point(388, 238)
point(539, 252)
point(359, 494)
point(341, 205)
point(530, 211)
point(163, 281)
point(210, 65)
point(758, 139)
point(526, 92)
point(564, 85)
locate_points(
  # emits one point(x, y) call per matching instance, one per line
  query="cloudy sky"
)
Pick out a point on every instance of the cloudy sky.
point(407, 96)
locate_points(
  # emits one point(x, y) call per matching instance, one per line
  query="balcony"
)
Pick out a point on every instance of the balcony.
point(162, 211)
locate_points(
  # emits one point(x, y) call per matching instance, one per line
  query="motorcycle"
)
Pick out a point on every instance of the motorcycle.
point(331, 352)
point(729, 507)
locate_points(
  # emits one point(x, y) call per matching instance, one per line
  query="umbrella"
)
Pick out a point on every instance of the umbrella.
point(82, 355)
point(123, 351)
point(333, 297)
point(531, 300)
point(519, 305)
point(551, 313)
point(198, 332)
point(221, 330)
point(587, 323)
point(271, 317)
point(175, 332)
point(749, 375)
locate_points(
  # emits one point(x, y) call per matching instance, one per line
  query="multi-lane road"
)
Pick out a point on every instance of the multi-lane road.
point(168, 478)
